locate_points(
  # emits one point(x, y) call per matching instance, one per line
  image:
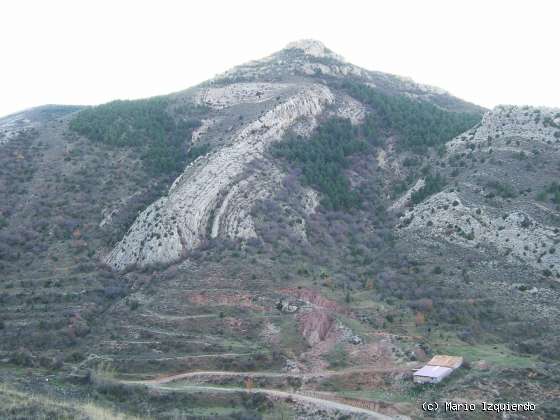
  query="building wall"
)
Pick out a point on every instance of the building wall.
point(431, 380)
point(426, 380)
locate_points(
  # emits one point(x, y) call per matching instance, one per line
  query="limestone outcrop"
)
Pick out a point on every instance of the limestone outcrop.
point(516, 235)
point(233, 94)
point(537, 125)
point(494, 204)
point(12, 126)
point(213, 196)
point(246, 109)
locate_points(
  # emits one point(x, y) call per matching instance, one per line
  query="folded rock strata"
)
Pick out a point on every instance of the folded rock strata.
point(213, 196)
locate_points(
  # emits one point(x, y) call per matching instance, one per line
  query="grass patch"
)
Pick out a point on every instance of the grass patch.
point(337, 357)
point(377, 395)
point(356, 326)
point(497, 355)
point(291, 340)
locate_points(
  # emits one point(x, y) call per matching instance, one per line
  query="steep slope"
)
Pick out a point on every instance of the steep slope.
point(494, 216)
point(207, 196)
point(20, 123)
point(500, 200)
point(213, 197)
point(55, 192)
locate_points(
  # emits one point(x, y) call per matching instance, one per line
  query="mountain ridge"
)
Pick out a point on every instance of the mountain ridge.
point(300, 100)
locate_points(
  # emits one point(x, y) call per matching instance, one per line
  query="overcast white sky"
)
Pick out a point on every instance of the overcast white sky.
point(89, 52)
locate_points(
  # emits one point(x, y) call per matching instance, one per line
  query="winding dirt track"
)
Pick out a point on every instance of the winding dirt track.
point(171, 378)
point(320, 401)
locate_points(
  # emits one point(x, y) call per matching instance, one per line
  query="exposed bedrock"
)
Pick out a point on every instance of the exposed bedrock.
point(213, 196)
point(517, 227)
point(535, 125)
point(515, 235)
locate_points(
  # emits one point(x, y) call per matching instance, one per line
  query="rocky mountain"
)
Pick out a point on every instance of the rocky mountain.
point(296, 223)
point(491, 204)
point(213, 196)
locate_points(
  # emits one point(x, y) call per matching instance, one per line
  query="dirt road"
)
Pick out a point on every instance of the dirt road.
point(317, 400)
point(171, 378)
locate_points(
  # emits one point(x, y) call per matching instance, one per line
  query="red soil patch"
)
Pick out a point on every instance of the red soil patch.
point(314, 297)
point(242, 300)
point(377, 353)
point(235, 324)
point(315, 325)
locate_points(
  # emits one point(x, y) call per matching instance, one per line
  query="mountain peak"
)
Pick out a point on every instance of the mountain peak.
point(314, 48)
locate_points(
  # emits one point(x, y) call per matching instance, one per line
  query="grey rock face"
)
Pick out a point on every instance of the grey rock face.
point(250, 107)
point(212, 196)
point(287, 307)
point(355, 339)
point(12, 126)
point(533, 124)
point(514, 228)
point(517, 236)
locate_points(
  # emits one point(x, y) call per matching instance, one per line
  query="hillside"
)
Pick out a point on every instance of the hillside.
point(297, 226)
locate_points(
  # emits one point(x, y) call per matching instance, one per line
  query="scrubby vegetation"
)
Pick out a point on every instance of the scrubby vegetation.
point(550, 193)
point(21, 405)
point(337, 357)
point(549, 122)
point(501, 189)
point(146, 124)
point(433, 184)
point(419, 124)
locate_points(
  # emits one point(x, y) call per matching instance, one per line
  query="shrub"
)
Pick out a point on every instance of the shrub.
point(102, 378)
point(422, 305)
point(22, 357)
point(133, 304)
point(501, 189)
point(433, 184)
point(337, 357)
point(75, 357)
point(551, 192)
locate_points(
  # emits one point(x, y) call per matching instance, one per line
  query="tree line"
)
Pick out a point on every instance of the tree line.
point(145, 124)
point(418, 124)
